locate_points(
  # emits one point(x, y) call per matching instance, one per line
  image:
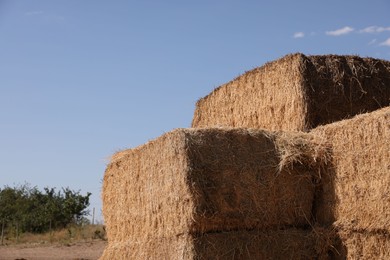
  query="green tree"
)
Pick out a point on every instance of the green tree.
point(26, 208)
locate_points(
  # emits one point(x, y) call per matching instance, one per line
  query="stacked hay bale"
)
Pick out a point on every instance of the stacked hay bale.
point(212, 194)
point(355, 194)
point(298, 93)
point(241, 193)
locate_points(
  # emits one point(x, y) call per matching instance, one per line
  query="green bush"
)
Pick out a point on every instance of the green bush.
point(27, 209)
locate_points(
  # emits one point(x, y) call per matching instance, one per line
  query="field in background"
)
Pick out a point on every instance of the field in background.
point(75, 242)
point(64, 236)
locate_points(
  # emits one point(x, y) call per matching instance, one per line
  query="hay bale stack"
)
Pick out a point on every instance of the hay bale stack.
point(298, 93)
point(279, 244)
point(194, 181)
point(355, 193)
point(364, 245)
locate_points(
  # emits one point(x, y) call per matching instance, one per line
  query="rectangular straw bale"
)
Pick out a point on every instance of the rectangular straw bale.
point(355, 191)
point(364, 245)
point(279, 244)
point(203, 180)
point(297, 93)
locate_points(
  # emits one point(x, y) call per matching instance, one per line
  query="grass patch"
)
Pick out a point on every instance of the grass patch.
point(69, 235)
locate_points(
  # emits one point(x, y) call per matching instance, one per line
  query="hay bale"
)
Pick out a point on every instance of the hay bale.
point(210, 180)
point(355, 191)
point(364, 245)
point(279, 244)
point(298, 92)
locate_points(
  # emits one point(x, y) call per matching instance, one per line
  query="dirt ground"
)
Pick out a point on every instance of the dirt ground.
point(80, 250)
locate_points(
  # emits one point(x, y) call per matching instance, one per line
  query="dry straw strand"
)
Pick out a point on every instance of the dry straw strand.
point(298, 93)
point(277, 244)
point(355, 189)
point(209, 181)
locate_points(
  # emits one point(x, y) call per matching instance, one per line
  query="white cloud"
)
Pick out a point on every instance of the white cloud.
point(299, 35)
point(385, 43)
point(341, 31)
point(55, 18)
point(34, 13)
point(374, 29)
point(373, 41)
point(47, 17)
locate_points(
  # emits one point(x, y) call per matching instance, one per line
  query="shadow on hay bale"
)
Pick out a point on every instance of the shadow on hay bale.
point(354, 195)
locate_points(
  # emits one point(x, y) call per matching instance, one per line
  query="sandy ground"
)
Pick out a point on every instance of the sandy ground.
point(81, 250)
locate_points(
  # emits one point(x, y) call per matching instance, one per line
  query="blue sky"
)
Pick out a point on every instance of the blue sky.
point(80, 80)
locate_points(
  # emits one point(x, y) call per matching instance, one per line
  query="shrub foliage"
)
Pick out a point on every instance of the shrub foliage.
point(27, 209)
